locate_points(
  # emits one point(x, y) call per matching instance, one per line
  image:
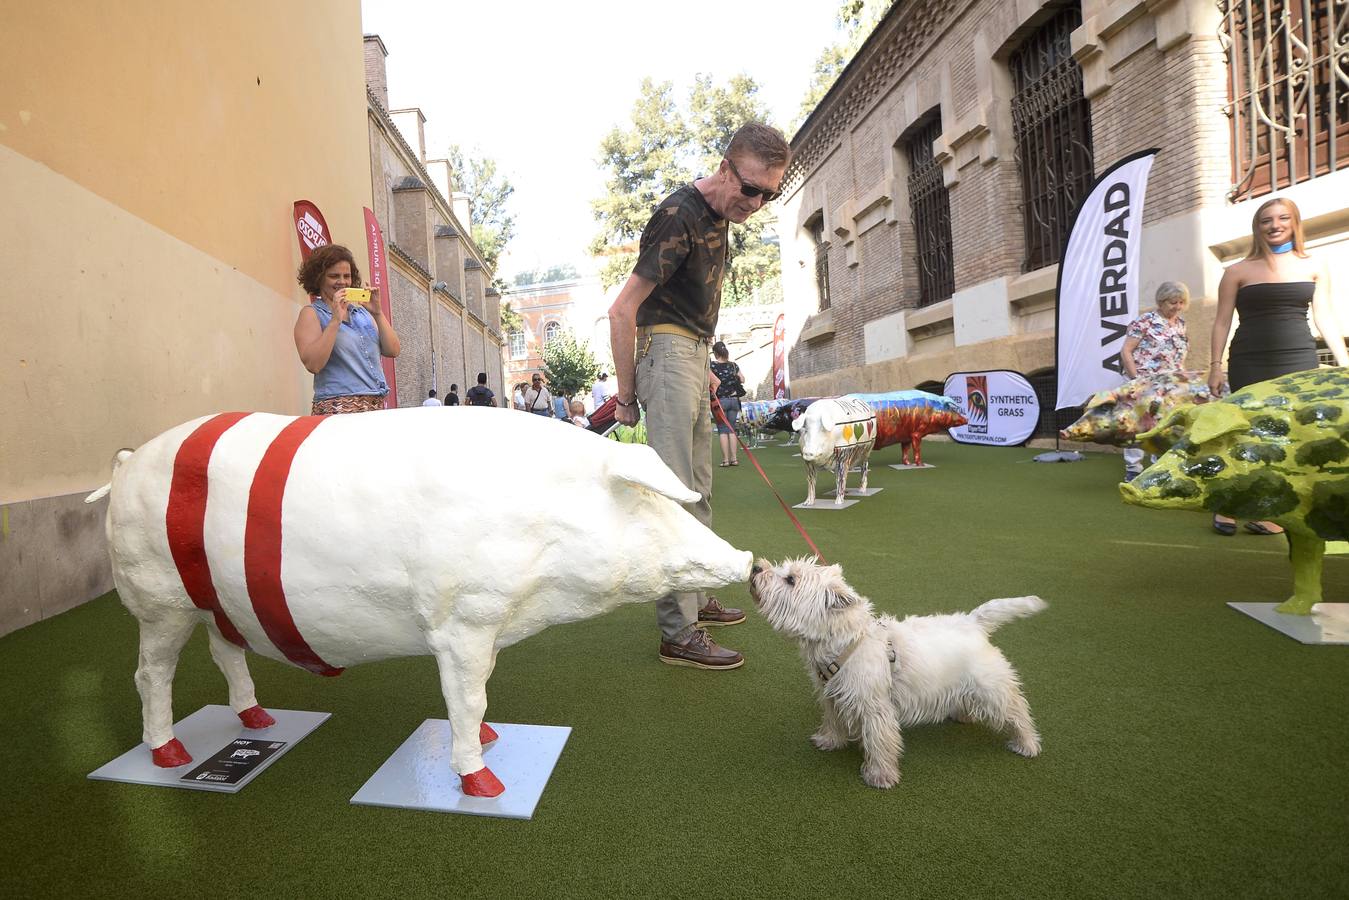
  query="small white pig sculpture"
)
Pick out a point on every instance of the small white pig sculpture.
point(331, 541)
point(838, 432)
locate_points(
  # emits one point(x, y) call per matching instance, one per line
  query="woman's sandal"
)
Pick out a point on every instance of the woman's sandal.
point(1224, 528)
point(1259, 528)
point(723, 465)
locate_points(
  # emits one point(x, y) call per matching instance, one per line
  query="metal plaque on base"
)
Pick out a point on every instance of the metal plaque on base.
point(1327, 624)
point(904, 467)
point(418, 774)
point(226, 756)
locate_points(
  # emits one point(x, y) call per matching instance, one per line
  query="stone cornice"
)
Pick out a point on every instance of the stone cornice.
point(406, 259)
point(382, 115)
point(902, 37)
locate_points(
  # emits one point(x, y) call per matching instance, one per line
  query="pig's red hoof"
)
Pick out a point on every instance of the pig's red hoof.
point(486, 734)
point(256, 717)
point(481, 783)
point(171, 755)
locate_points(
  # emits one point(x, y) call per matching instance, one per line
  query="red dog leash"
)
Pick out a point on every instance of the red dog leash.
point(721, 414)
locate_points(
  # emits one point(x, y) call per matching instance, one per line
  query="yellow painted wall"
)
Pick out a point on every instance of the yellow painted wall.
point(149, 156)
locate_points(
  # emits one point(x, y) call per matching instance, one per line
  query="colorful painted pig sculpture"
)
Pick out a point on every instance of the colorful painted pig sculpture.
point(757, 413)
point(331, 541)
point(1118, 415)
point(906, 417)
point(1277, 450)
point(838, 433)
point(784, 417)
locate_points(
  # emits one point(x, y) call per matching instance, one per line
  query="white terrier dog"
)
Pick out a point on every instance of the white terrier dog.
point(875, 675)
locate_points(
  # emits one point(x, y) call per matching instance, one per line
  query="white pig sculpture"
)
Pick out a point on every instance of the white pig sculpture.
point(331, 541)
point(838, 432)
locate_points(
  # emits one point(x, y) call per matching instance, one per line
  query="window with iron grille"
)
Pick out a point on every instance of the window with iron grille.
point(1052, 124)
point(816, 227)
point(931, 207)
point(1288, 91)
point(551, 332)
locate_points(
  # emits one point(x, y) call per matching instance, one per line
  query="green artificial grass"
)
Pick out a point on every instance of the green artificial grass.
point(1188, 750)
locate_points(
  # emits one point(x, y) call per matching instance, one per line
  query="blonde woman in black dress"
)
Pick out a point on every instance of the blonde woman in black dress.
point(1271, 290)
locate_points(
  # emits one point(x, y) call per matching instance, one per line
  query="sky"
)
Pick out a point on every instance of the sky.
point(537, 85)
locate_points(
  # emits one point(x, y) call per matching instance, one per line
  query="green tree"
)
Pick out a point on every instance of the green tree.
point(490, 192)
point(856, 19)
point(569, 366)
point(563, 272)
point(510, 319)
point(666, 146)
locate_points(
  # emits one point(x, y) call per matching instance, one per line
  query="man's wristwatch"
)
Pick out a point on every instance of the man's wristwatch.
point(626, 405)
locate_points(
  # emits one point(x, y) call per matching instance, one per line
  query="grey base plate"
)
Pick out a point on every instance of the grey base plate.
point(904, 467)
point(869, 492)
point(418, 774)
point(204, 733)
point(826, 503)
point(1328, 623)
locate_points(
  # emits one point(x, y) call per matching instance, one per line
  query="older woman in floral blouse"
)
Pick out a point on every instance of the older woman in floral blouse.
point(1154, 343)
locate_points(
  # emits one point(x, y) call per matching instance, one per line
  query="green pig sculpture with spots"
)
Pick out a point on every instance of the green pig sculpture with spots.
point(1276, 451)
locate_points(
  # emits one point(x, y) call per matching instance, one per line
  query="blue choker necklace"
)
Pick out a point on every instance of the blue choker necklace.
point(1283, 248)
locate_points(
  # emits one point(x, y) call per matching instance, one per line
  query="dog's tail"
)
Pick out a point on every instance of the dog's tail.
point(999, 612)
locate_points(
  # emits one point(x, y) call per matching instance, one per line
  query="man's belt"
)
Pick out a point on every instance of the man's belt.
point(673, 329)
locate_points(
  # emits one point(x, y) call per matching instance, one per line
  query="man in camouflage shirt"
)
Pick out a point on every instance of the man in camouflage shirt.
point(660, 329)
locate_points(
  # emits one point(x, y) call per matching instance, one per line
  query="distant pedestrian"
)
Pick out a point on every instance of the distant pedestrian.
point(452, 398)
point(602, 390)
point(480, 394)
point(431, 398)
point(537, 399)
point(730, 388)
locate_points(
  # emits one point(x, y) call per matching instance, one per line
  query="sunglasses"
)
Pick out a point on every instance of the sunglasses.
point(752, 190)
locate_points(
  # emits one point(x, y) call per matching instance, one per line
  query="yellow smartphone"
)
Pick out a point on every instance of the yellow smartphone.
point(358, 295)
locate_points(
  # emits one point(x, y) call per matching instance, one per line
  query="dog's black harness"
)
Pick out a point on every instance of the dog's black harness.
point(829, 670)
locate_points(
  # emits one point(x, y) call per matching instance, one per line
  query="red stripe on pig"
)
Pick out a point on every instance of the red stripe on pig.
point(262, 547)
point(185, 519)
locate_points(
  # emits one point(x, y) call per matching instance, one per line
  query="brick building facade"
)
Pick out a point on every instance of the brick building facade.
point(1153, 73)
point(578, 305)
point(447, 314)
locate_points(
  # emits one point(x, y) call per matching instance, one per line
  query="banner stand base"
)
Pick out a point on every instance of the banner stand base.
point(1060, 456)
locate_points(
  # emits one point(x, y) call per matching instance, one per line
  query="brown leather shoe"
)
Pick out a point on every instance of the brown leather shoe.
point(699, 652)
point(714, 614)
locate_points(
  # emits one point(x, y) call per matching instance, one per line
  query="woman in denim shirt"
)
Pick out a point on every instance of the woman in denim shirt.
point(340, 342)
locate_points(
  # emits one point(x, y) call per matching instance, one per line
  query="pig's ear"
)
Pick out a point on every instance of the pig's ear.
point(1169, 431)
point(1214, 420)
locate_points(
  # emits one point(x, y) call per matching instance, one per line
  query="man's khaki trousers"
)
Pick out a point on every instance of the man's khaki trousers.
point(672, 386)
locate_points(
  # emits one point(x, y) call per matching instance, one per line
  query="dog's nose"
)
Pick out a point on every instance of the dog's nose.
point(754, 570)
